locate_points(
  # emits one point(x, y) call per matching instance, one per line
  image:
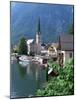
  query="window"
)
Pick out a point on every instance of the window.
point(70, 55)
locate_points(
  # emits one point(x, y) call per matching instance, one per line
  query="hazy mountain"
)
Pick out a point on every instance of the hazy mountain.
point(54, 20)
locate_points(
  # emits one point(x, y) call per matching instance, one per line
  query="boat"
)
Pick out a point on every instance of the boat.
point(37, 59)
point(24, 58)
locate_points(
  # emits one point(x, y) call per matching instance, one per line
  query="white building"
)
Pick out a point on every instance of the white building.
point(29, 41)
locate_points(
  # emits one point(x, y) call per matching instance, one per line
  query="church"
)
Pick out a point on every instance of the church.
point(34, 45)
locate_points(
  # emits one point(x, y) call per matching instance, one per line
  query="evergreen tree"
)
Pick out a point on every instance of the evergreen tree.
point(23, 46)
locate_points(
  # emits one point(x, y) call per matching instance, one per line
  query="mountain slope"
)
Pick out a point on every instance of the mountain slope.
point(54, 20)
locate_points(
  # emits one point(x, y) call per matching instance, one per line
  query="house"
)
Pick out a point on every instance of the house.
point(52, 50)
point(29, 41)
point(65, 48)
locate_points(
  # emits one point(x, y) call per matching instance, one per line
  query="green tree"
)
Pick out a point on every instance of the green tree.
point(22, 71)
point(22, 46)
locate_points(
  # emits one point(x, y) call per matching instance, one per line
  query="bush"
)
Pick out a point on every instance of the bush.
point(54, 65)
point(62, 84)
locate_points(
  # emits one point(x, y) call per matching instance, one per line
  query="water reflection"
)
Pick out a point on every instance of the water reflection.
point(22, 71)
point(26, 79)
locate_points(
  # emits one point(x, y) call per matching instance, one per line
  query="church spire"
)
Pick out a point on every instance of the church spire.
point(38, 25)
point(38, 32)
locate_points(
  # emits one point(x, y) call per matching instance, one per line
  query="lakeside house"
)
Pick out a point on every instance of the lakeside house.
point(29, 41)
point(65, 48)
point(53, 50)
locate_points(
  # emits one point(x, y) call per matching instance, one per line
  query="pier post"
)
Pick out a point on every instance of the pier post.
point(47, 73)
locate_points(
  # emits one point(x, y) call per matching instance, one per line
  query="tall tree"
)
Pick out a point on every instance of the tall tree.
point(23, 46)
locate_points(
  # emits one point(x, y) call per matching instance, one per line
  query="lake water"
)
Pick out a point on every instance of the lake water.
point(26, 80)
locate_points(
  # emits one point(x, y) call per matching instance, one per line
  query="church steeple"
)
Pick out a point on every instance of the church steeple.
point(38, 27)
point(38, 33)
